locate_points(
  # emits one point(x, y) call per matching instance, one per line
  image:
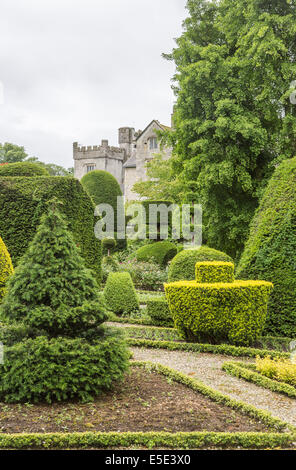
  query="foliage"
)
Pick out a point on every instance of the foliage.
point(159, 312)
point(109, 265)
point(108, 245)
point(161, 183)
point(120, 293)
point(6, 268)
point(147, 440)
point(224, 349)
point(233, 120)
point(22, 169)
point(23, 201)
point(146, 276)
point(233, 311)
point(103, 188)
point(214, 271)
point(248, 372)
point(60, 369)
point(159, 252)
point(281, 370)
point(271, 248)
point(52, 293)
point(182, 266)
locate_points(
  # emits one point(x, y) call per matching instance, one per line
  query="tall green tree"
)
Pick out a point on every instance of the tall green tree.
point(161, 184)
point(11, 153)
point(233, 118)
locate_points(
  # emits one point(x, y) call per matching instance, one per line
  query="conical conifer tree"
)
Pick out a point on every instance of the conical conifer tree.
point(53, 293)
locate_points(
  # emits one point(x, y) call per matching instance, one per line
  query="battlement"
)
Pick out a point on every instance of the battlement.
point(97, 151)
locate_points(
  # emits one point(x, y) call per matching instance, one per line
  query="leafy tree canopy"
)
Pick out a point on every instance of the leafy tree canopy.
point(233, 118)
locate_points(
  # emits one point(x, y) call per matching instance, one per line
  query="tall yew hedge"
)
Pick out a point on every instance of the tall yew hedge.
point(270, 252)
point(23, 201)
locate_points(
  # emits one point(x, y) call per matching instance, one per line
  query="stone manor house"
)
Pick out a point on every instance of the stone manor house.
point(126, 162)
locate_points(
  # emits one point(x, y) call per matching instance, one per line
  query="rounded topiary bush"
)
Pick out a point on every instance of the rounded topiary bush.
point(23, 169)
point(6, 268)
point(182, 266)
point(159, 252)
point(64, 350)
point(219, 309)
point(103, 188)
point(120, 293)
point(270, 251)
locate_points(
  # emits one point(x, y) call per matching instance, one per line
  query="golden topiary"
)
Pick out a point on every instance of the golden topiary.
point(6, 268)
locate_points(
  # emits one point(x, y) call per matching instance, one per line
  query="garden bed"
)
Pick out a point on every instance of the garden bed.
point(165, 409)
point(144, 402)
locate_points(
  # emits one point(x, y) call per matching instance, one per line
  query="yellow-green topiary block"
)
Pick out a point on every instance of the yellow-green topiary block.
point(6, 268)
point(219, 308)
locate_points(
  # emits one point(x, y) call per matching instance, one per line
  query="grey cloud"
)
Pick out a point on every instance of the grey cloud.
point(78, 70)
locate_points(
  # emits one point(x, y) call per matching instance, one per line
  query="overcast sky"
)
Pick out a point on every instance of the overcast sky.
point(77, 70)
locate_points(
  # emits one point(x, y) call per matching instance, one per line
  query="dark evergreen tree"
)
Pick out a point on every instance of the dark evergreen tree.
point(56, 297)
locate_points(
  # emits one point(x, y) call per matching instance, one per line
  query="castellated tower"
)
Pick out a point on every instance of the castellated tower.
point(125, 139)
point(99, 157)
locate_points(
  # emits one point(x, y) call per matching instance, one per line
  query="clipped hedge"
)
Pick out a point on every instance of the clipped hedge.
point(224, 349)
point(214, 271)
point(232, 311)
point(159, 312)
point(6, 268)
point(160, 252)
point(120, 293)
point(182, 267)
point(23, 169)
point(270, 251)
point(248, 372)
point(23, 201)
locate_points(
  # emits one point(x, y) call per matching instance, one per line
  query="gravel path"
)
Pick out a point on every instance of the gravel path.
point(207, 368)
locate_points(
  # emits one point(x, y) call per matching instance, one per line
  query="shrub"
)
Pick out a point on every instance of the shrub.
point(271, 249)
point(160, 252)
point(109, 265)
point(182, 267)
point(120, 293)
point(6, 268)
point(53, 300)
point(23, 201)
point(146, 276)
point(60, 369)
point(108, 245)
point(279, 369)
point(23, 169)
point(232, 311)
point(159, 312)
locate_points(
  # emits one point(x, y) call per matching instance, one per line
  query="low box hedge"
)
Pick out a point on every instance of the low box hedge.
point(159, 312)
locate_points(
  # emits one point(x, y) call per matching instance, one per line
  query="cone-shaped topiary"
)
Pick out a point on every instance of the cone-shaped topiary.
point(270, 251)
point(120, 293)
point(182, 267)
point(6, 268)
point(56, 296)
